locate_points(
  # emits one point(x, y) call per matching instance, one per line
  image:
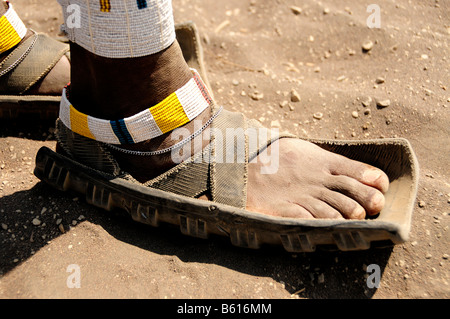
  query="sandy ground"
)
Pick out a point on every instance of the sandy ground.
point(263, 46)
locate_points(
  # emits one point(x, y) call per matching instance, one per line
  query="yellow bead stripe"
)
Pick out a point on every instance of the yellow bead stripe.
point(105, 6)
point(169, 114)
point(79, 123)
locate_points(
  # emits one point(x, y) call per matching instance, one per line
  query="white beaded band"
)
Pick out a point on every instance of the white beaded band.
point(119, 28)
point(12, 29)
point(177, 109)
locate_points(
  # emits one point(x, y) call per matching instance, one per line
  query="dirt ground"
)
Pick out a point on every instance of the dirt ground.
point(269, 48)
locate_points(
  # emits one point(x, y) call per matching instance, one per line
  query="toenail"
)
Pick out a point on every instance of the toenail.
point(378, 200)
point(371, 175)
point(358, 213)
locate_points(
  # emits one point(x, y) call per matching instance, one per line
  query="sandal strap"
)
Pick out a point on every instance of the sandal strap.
point(44, 53)
point(208, 171)
point(189, 178)
point(229, 166)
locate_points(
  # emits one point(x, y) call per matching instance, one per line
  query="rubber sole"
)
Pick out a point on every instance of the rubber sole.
point(44, 107)
point(200, 218)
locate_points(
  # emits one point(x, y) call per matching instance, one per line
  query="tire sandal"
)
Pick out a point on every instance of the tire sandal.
point(172, 197)
point(27, 64)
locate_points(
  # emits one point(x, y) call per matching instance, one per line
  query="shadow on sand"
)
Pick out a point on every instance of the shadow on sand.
point(322, 274)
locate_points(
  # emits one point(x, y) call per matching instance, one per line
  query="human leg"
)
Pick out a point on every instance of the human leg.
point(311, 182)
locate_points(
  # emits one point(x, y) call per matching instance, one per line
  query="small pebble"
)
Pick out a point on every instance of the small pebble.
point(366, 102)
point(296, 10)
point(256, 96)
point(367, 46)
point(275, 123)
point(36, 222)
point(379, 80)
point(283, 104)
point(295, 97)
point(421, 203)
point(318, 115)
point(383, 103)
point(355, 114)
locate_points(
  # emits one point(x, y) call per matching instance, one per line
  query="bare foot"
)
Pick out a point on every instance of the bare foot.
point(54, 82)
point(309, 183)
point(314, 183)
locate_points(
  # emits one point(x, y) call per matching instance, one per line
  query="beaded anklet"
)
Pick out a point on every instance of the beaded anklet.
point(177, 109)
point(12, 29)
point(168, 149)
point(119, 29)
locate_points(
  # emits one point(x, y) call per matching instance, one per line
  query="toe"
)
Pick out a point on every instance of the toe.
point(295, 211)
point(348, 207)
point(320, 209)
point(370, 198)
point(362, 172)
point(376, 178)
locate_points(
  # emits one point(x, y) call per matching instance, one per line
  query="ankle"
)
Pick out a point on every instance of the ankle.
point(114, 89)
point(117, 88)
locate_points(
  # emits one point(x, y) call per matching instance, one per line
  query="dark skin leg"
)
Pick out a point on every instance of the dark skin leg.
point(309, 183)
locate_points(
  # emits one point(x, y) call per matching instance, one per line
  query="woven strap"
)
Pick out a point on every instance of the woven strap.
point(221, 169)
point(37, 56)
